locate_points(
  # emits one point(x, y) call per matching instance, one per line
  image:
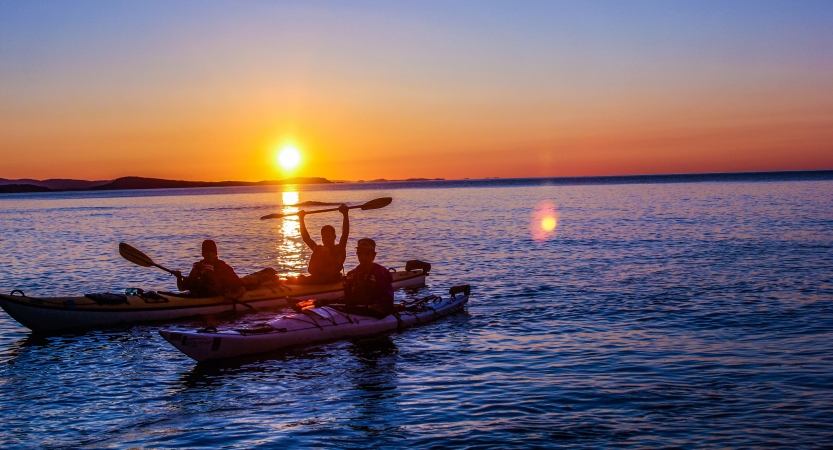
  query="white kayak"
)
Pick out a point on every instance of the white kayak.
point(311, 325)
point(50, 314)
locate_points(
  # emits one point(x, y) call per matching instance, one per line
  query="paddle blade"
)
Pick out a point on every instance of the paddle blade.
point(135, 256)
point(377, 203)
point(272, 216)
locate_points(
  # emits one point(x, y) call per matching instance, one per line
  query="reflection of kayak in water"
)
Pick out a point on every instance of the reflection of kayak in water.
point(311, 325)
point(102, 310)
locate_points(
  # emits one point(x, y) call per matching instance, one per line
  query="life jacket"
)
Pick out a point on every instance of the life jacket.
point(365, 287)
point(210, 279)
point(204, 281)
point(327, 262)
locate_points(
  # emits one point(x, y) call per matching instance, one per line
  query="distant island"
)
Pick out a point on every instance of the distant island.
point(16, 188)
point(60, 184)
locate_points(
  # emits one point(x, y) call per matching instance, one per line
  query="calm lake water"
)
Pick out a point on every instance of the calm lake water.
point(681, 314)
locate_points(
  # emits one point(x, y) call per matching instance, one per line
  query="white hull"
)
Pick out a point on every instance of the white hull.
point(316, 324)
point(43, 315)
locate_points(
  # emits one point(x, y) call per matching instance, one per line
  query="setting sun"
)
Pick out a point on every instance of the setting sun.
point(289, 158)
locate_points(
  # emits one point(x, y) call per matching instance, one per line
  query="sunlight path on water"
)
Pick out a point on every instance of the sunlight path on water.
point(692, 314)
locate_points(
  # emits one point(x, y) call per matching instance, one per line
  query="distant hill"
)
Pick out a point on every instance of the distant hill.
point(384, 180)
point(18, 188)
point(160, 183)
point(58, 184)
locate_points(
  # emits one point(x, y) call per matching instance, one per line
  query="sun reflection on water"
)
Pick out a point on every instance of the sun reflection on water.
point(289, 198)
point(290, 248)
point(290, 227)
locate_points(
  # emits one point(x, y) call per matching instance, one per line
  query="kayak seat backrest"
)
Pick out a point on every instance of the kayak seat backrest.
point(267, 276)
point(416, 264)
point(461, 289)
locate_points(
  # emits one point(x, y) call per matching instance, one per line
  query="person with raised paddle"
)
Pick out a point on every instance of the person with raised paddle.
point(211, 276)
point(327, 260)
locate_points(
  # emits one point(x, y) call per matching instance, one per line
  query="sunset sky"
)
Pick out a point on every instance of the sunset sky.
point(211, 91)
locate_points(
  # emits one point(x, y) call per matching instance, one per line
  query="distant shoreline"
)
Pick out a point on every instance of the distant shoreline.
point(125, 183)
point(129, 183)
point(383, 180)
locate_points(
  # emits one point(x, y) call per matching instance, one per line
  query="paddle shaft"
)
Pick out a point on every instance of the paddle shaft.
point(373, 204)
point(163, 268)
point(322, 210)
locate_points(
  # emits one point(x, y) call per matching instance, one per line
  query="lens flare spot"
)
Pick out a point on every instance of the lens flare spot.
point(289, 157)
point(544, 221)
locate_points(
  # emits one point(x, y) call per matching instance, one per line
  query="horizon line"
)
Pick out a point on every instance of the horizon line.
point(418, 179)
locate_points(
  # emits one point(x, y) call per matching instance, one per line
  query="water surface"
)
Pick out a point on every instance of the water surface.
point(683, 314)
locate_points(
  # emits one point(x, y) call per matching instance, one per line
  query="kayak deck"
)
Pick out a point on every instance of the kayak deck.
point(97, 310)
point(311, 325)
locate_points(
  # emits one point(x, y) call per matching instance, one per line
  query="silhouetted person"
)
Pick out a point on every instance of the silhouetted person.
point(327, 259)
point(211, 276)
point(368, 289)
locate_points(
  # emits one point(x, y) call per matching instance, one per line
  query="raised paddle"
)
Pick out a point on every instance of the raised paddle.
point(137, 257)
point(373, 204)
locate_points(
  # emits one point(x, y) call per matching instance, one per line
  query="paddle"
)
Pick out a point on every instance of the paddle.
point(373, 204)
point(137, 257)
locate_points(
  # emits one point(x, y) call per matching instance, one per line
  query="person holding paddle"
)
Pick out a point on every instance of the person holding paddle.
point(327, 260)
point(211, 276)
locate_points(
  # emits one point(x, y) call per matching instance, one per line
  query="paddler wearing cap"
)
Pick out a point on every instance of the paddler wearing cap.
point(368, 289)
point(211, 276)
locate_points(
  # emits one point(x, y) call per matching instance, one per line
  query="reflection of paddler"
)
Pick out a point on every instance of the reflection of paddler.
point(211, 276)
point(327, 259)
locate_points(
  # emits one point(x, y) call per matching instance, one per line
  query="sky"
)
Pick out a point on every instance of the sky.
point(452, 89)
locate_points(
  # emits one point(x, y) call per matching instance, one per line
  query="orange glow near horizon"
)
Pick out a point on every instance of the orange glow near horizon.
point(471, 145)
